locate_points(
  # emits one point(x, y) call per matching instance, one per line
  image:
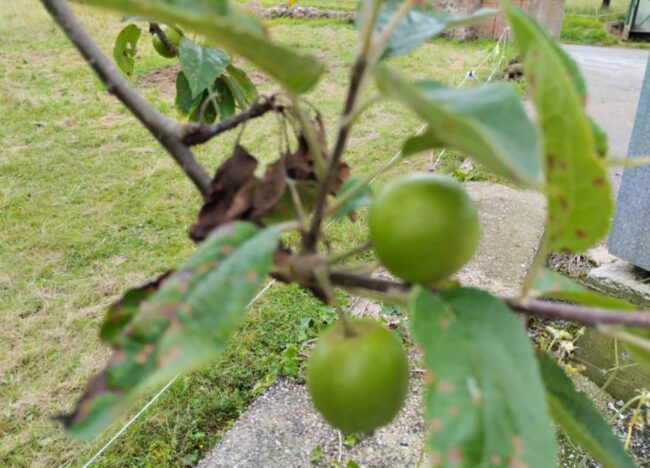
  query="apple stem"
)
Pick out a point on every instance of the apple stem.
point(157, 30)
point(322, 278)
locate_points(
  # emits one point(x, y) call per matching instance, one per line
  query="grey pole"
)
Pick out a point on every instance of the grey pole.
point(630, 236)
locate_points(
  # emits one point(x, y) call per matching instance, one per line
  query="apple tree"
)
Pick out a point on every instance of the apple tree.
point(490, 397)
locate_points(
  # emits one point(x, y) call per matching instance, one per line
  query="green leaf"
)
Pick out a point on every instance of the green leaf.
point(239, 33)
point(484, 399)
point(185, 103)
point(125, 48)
point(225, 102)
point(421, 24)
point(487, 123)
point(580, 202)
point(184, 324)
point(201, 65)
point(576, 415)
point(552, 285)
point(241, 87)
point(361, 198)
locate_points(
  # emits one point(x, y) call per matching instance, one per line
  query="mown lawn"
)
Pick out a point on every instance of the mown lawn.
point(90, 204)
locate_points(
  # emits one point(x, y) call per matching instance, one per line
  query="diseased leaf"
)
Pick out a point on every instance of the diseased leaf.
point(487, 123)
point(579, 196)
point(552, 285)
point(182, 325)
point(241, 86)
point(201, 65)
point(484, 398)
point(121, 312)
point(420, 24)
point(239, 33)
point(231, 193)
point(576, 415)
point(125, 48)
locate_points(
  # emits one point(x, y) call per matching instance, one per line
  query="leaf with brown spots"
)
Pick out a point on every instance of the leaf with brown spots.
point(121, 312)
point(486, 402)
point(183, 324)
point(580, 202)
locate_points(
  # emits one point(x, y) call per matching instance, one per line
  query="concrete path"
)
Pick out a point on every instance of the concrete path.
point(614, 77)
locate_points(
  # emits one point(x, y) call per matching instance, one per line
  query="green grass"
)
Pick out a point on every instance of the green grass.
point(585, 23)
point(90, 204)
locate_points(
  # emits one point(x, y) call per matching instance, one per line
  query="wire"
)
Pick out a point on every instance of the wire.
point(159, 394)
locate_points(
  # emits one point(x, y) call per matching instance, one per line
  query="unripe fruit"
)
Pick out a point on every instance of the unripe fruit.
point(174, 37)
point(424, 227)
point(358, 381)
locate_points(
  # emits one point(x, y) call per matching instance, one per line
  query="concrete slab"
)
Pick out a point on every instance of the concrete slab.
point(621, 279)
point(281, 429)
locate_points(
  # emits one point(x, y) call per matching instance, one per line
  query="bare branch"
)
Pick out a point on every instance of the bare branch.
point(576, 313)
point(196, 134)
point(162, 128)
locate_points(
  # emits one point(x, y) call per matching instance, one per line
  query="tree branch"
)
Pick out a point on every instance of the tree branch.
point(162, 128)
point(196, 134)
point(576, 313)
point(157, 30)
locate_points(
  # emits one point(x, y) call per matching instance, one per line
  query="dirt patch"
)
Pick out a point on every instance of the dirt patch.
point(162, 79)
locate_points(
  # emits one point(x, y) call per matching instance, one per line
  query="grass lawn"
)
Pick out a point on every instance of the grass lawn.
point(90, 204)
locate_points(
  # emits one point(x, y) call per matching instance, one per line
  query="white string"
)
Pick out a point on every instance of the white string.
point(469, 74)
point(159, 394)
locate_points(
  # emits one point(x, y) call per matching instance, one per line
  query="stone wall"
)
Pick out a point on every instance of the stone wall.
point(549, 12)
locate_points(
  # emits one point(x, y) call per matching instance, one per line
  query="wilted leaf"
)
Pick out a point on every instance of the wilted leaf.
point(579, 196)
point(231, 193)
point(125, 48)
point(420, 24)
point(484, 398)
point(182, 326)
point(201, 65)
point(237, 32)
point(488, 123)
point(270, 189)
point(576, 415)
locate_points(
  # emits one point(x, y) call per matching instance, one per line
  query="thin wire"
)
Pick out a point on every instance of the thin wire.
point(159, 394)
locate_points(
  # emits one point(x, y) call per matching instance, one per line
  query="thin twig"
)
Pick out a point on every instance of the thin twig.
point(196, 134)
point(356, 79)
point(586, 315)
point(162, 128)
point(157, 30)
point(340, 256)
